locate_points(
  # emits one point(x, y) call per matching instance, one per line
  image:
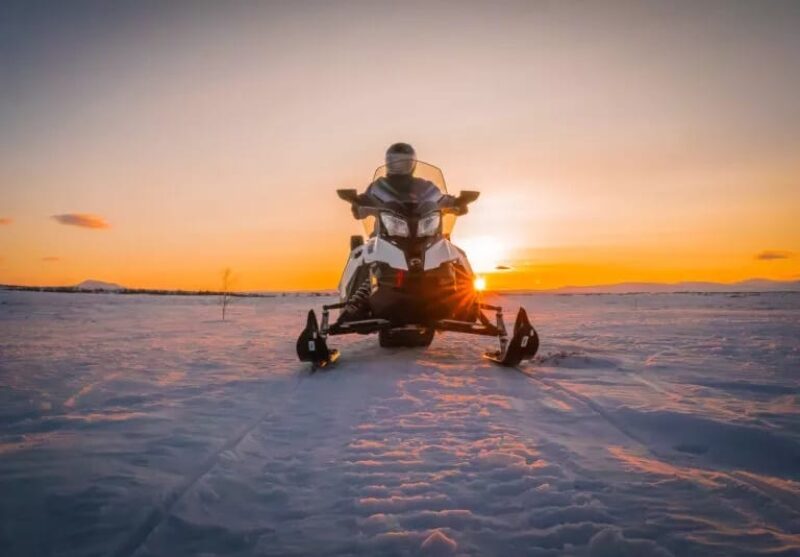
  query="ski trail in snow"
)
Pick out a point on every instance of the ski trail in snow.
point(777, 496)
point(70, 402)
point(651, 383)
point(788, 493)
point(158, 515)
point(599, 410)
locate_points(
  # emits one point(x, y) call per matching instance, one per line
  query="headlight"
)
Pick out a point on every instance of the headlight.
point(395, 226)
point(427, 226)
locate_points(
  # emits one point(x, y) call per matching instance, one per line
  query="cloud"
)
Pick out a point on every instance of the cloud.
point(5, 221)
point(770, 255)
point(82, 220)
point(51, 259)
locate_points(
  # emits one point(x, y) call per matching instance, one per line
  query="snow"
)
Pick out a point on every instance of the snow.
point(751, 285)
point(660, 424)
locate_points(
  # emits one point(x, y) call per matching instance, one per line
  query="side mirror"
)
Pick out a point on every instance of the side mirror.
point(351, 196)
point(466, 197)
point(356, 242)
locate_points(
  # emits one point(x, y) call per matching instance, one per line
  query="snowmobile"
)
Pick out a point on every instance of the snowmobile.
point(408, 280)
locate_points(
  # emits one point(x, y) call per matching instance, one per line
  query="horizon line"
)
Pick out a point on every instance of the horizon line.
point(776, 282)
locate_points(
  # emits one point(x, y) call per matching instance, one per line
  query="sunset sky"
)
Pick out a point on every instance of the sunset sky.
point(155, 144)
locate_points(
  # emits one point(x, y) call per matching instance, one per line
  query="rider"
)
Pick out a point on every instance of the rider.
point(401, 162)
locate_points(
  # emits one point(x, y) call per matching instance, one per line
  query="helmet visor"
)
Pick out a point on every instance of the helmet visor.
point(400, 163)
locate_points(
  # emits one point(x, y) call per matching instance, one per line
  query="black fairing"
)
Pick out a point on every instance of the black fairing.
point(406, 297)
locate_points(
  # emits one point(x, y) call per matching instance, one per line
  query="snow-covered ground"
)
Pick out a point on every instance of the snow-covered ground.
point(649, 425)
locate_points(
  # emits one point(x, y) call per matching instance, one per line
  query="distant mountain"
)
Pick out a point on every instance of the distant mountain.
point(751, 285)
point(99, 285)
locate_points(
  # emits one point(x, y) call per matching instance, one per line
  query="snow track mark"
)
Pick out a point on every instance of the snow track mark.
point(159, 514)
point(70, 402)
point(449, 460)
point(724, 485)
point(599, 410)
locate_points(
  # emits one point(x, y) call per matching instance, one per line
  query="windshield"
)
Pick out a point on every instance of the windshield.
point(423, 189)
point(422, 170)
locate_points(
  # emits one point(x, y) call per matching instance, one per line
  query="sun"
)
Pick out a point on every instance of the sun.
point(485, 253)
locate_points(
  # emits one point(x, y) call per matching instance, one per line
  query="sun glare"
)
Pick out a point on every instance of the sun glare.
point(485, 253)
point(480, 284)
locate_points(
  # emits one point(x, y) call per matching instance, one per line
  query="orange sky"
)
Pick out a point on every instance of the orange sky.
point(610, 142)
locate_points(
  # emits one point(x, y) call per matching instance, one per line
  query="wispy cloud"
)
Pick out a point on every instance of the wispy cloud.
point(5, 221)
point(771, 255)
point(82, 220)
point(51, 259)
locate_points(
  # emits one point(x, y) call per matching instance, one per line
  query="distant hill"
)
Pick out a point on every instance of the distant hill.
point(99, 285)
point(751, 285)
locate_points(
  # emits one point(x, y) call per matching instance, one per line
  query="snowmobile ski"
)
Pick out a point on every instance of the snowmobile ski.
point(312, 347)
point(523, 345)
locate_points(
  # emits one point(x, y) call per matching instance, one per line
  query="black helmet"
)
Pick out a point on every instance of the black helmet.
point(400, 159)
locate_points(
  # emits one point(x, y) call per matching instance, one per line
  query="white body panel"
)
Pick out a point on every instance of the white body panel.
point(441, 252)
point(375, 249)
point(378, 249)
